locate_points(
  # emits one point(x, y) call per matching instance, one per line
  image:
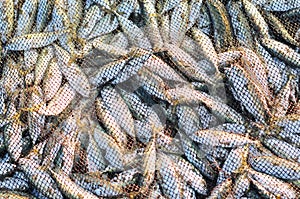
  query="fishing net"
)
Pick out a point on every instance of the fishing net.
point(149, 99)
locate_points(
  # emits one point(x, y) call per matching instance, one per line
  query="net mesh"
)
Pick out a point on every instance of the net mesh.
point(149, 99)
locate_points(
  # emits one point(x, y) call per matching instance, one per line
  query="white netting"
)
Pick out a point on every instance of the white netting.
point(149, 99)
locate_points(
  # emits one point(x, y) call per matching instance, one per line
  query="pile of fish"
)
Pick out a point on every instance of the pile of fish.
point(149, 99)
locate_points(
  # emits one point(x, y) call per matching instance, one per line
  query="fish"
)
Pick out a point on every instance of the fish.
point(247, 93)
point(240, 25)
point(132, 67)
point(256, 18)
point(16, 195)
point(135, 35)
point(43, 13)
point(187, 65)
point(280, 189)
point(221, 138)
point(14, 184)
point(171, 184)
point(113, 152)
point(59, 102)
point(52, 80)
point(279, 28)
point(70, 188)
point(283, 51)
point(232, 164)
point(90, 19)
point(7, 20)
point(107, 72)
point(178, 96)
point(33, 40)
point(275, 166)
point(154, 64)
point(275, 69)
point(154, 34)
point(282, 148)
point(188, 120)
point(222, 190)
point(221, 25)
point(205, 43)
point(149, 99)
point(96, 185)
point(191, 175)
point(105, 25)
point(26, 17)
point(42, 63)
point(272, 5)
point(36, 121)
point(108, 48)
point(179, 22)
point(40, 178)
point(110, 122)
point(13, 139)
point(197, 157)
point(149, 164)
point(115, 104)
point(71, 70)
point(241, 186)
point(195, 7)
